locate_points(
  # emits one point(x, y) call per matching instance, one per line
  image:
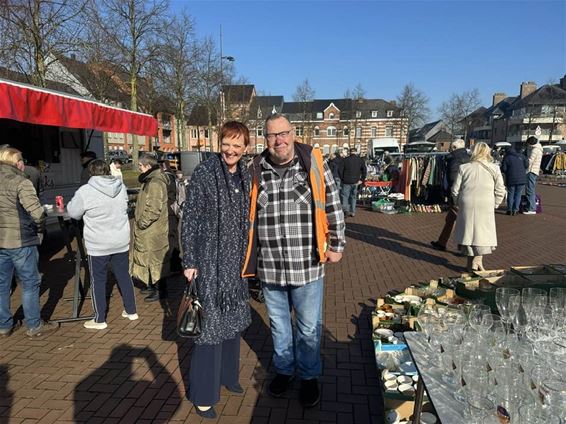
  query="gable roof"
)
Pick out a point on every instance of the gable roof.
point(199, 116)
point(266, 105)
point(241, 93)
point(545, 95)
point(19, 77)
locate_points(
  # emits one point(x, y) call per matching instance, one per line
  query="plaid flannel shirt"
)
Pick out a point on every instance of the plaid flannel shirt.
point(286, 235)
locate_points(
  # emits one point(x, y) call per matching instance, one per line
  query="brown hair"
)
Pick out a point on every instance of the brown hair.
point(233, 129)
point(147, 158)
point(98, 167)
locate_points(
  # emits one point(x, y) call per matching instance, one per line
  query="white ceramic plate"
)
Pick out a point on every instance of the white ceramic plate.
point(411, 298)
point(384, 333)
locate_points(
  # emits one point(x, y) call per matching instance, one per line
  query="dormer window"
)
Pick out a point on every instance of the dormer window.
point(330, 115)
point(319, 115)
point(374, 113)
point(259, 115)
point(389, 113)
point(358, 114)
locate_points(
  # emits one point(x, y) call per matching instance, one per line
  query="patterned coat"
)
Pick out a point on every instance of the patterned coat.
point(214, 240)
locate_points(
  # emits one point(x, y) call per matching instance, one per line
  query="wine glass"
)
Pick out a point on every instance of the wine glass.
point(476, 316)
point(507, 301)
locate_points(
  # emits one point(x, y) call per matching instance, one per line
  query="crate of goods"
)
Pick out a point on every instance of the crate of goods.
point(526, 271)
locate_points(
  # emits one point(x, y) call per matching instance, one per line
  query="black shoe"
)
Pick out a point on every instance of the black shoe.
point(235, 388)
point(508, 213)
point(148, 289)
point(279, 385)
point(436, 245)
point(209, 413)
point(309, 394)
point(514, 213)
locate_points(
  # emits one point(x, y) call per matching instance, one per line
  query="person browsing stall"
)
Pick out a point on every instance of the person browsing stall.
point(102, 203)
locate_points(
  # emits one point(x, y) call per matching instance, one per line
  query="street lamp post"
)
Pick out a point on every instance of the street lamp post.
point(222, 100)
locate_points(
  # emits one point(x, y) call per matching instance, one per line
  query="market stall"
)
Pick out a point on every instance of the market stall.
point(484, 347)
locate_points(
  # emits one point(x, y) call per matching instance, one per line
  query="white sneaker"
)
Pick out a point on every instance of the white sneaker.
point(131, 317)
point(95, 325)
point(529, 213)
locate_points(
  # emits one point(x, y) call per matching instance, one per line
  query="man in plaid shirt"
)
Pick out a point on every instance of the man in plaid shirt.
point(291, 250)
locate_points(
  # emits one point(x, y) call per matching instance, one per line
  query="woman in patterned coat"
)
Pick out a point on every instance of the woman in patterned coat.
point(214, 240)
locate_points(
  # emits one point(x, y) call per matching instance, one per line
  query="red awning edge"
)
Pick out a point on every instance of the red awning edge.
point(35, 105)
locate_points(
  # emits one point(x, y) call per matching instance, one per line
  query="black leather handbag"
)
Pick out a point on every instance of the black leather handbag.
point(189, 317)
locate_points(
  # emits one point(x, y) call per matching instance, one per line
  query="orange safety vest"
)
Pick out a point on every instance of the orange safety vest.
point(312, 161)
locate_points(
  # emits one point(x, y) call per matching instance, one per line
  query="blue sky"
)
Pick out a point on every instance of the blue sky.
point(443, 47)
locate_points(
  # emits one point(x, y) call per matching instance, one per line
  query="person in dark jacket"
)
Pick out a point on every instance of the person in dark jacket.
point(86, 158)
point(335, 164)
point(514, 167)
point(21, 222)
point(214, 241)
point(352, 173)
point(458, 155)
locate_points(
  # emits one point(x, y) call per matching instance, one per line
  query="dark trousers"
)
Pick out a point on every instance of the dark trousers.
point(98, 276)
point(212, 366)
point(448, 226)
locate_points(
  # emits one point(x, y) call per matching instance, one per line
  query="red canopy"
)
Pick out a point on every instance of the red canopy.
point(35, 105)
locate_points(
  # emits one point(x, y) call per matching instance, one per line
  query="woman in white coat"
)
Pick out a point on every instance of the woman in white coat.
point(478, 191)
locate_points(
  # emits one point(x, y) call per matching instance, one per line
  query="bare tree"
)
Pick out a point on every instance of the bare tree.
point(356, 97)
point(413, 104)
point(132, 28)
point(208, 80)
point(177, 71)
point(304, 94)
point(457, 108)
point(35, 31)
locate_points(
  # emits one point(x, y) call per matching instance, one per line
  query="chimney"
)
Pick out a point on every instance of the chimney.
point(563, 82)
point(497, 97)
point(528, 88)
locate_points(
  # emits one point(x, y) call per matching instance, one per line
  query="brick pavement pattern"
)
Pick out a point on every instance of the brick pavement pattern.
point(135, 372)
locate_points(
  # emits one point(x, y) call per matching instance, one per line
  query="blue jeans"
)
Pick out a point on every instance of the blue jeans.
point(24, 261)
point(301, 350)
point(514, 193)
point(530, 192)
point(348, 197)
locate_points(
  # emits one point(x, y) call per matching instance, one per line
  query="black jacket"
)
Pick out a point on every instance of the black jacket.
point(455, 159)
point(353, 169)
point(514, 167)
point(335, 165)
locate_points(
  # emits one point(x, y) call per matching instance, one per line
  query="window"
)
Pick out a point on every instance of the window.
point(326, 149)
point(206, 133)
point(389, 131)
point(335, 148)
point(259, 114)
point(259, 131)
point(194, 133)
point(358, 114)
point(331, 116)
point(389, 113)
point(373, 132)
point(299, 131)
point(259, 148)
point(316, 132)
point(346, 131)
point(331, 131)
point(358, 132)
point(319, 115)
point(374, 113)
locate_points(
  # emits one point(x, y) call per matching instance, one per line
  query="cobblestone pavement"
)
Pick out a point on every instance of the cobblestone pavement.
point(135, 371)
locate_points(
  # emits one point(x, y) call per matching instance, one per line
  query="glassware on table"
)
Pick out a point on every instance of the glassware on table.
point(476, 314)
point(529, 414)
point(507, 301)
point(553, 391)
point(479, 410)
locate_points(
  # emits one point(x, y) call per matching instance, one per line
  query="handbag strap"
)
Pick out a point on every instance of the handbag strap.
point(488, 169)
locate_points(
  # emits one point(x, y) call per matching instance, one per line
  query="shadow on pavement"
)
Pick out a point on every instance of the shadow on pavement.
point(6, 396)
point(117, 389)
point(394, 242)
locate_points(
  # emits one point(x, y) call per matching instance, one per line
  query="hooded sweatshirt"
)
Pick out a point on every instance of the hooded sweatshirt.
point(103, 205)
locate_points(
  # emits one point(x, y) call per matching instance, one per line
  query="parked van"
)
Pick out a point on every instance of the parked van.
point(378, 146)
point(420, 147)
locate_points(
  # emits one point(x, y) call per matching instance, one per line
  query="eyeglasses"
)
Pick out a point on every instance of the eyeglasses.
point(283, 135)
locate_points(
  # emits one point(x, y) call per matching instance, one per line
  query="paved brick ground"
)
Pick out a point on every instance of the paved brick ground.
point(134, 371)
